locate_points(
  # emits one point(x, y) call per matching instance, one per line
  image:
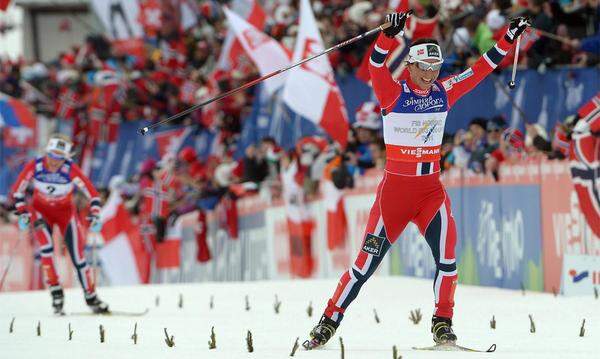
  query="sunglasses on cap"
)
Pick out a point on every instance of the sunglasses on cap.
point(56, 156)
point(428, 66)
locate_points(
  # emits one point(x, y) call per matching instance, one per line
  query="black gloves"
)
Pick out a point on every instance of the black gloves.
point(398, 20)
point(517, 27)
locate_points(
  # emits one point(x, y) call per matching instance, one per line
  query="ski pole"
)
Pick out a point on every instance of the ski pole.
point(511, 84)
point(95, 260)
point(381, 27)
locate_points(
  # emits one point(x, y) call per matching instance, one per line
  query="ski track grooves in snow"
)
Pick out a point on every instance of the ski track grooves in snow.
point(557, 322)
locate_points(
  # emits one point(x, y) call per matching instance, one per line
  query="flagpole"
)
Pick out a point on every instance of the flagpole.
point(144, 130)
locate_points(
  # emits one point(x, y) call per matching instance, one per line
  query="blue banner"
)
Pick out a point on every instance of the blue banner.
point(499, 238)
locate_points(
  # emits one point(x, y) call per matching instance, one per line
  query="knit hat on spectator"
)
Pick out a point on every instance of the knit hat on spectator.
point(357, 13)
point(368, 116)
point(35, 71)
point(513, 137)
point(479, 121)
point(284, 14)
point(187, 154)
point(106, 78)
point(64, 76)
point(494, 19)
point(560, 140)
point(541, 132)
point(311, 143)
point(116, 182)
point(147, 166)
point(197, 170)
point(461, 38)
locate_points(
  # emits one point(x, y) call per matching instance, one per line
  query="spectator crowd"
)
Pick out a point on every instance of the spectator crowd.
point(92, 88)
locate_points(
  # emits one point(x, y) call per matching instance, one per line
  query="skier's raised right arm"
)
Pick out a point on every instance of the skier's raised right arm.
point(386, 89)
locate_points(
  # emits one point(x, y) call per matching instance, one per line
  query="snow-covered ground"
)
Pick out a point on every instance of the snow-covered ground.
point(557, 322)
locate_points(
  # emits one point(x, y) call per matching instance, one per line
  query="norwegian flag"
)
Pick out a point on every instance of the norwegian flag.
point(66, 105)
point(415, 29)
point(4, 4)
point(17, 123)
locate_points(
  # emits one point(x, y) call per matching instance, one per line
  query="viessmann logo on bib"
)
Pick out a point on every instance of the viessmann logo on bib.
point(424, 104)
point(420, 152)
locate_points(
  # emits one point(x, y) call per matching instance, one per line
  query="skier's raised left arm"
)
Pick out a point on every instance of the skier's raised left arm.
point(460, 84)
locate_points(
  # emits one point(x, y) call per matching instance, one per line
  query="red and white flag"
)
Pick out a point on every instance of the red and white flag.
point(310, 89)
point(232, 50)
point(4, 4)
point(168, 252)
point(170, 142)
point(337, 224)
point(124, 258)
point(299, 221)
point(266, 53)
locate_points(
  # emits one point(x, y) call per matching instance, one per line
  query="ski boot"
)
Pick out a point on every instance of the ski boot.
point(96, 305)
point(442, 330)
point(321, 333)
point(58, 299)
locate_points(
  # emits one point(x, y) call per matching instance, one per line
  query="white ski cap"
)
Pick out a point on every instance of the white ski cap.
point(59, 148)
point(422, 52)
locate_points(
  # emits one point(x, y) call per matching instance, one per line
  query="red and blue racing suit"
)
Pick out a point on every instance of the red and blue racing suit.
point(52, 204)
point(411, 191)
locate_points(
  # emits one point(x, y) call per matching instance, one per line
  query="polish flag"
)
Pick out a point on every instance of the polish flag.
point(124, 258)
point(252, 12)
point(337, 224)
point(299, 221)
point(266, 53)
point(310, 89)
point(4, 4)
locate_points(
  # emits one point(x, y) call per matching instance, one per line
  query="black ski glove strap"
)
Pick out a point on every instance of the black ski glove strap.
point(398, 20)
point(516, 28)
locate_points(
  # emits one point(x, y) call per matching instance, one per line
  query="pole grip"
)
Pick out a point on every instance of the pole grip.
point(511, 84)
point(385, 25)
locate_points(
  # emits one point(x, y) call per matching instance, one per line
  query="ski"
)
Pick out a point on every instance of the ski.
point(455, 347)
point(115, 313)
